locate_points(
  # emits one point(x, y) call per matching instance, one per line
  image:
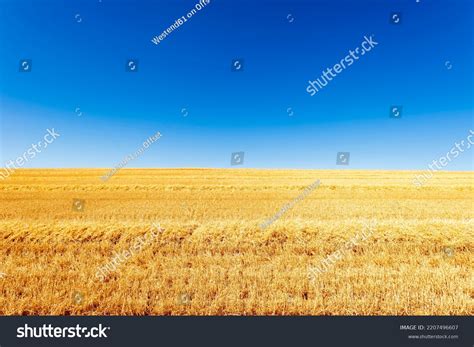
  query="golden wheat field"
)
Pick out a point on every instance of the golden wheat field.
point(212, 257)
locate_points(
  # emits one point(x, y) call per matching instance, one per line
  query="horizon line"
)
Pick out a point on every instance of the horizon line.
point(229, 168)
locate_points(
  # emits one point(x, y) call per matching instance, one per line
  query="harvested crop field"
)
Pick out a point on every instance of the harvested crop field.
point(195, 242)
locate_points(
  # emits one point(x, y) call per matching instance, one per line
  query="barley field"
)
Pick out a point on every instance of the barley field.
point(211, 255)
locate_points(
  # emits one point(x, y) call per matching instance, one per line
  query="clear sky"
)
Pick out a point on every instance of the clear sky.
point(79, 49)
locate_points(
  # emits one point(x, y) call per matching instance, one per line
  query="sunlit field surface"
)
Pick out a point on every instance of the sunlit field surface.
point(213, 258)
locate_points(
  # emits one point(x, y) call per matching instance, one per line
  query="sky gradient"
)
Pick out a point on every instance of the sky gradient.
point(79, 52)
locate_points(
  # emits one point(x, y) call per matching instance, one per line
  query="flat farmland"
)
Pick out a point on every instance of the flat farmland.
point(191, 242)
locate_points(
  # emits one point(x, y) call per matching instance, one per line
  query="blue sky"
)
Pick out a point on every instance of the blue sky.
point(425, 64)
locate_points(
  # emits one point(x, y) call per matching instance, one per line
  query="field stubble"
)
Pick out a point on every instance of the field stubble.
point(213, 257)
